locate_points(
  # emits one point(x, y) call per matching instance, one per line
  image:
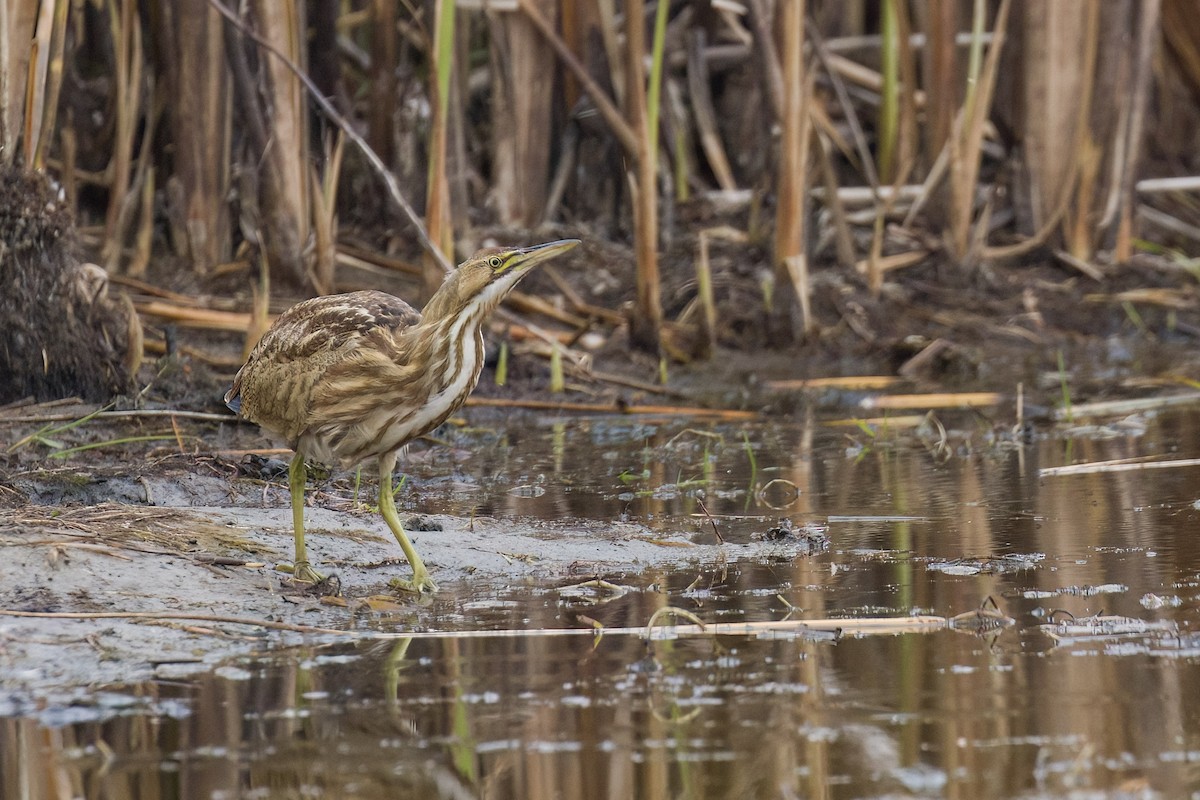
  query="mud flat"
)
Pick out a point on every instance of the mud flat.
point(183, 574)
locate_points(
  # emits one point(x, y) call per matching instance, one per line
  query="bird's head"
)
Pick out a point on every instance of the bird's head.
point(482, 281)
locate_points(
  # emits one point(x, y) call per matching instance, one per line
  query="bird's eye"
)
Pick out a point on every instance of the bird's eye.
point(494, 262)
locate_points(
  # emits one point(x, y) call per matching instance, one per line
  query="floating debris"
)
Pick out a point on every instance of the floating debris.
point(987, 565)
point(810, 534)
point(595, 589)
point(1100, 627)
point(1091, 591)
point(1153, 601)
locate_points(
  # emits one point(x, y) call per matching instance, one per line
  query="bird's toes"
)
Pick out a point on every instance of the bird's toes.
point(421, 584)
point(303, 572)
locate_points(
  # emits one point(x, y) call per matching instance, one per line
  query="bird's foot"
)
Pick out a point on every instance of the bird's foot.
point(302, 572)
point(421, 583)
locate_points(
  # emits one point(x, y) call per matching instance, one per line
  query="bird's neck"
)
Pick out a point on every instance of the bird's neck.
point(453, 346)
point(450, 328)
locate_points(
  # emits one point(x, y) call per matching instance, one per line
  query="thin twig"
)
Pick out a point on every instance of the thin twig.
point(716, 532)
point(856, 626)
point(1117, 465)
point(138, 414)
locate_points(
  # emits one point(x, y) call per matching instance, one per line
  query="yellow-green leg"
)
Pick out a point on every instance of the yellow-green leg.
point(297, 476)
point(421, 582)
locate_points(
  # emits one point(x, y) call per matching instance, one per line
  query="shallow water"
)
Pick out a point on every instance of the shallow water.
point(1056, 705)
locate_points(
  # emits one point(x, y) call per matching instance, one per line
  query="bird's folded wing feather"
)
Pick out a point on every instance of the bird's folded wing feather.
point(276, 383)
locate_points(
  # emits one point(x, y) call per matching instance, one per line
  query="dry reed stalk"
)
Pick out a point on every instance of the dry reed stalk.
point(679, 140)
point(522, 78)
point(704, 114)
point(704, 291)
point(606, 315)
point(1137, 405)
point(578, 22)
point(645, 325)
point(881, 265)
point(941, 67)
point(1121, 465)
point(1129, 144)
point(861, 150)
point(52, 80)
point(260, 309)
point(934, 400)
point(196, 317)
point(943, 90)
point(889, 95)
point(843, 236)
point(1058, 61)
point(1180, 299)
point(381, 80)
point(797, 268)
point(532, 304)
point(847, 383)
point(197, 80)
point(849, 626)
point(885, 423)
point(141, 197)
point(437, 208)
point(909, 101)
point(966, 140)
point(34, 78)
point(126, 32)
point(762, 21)
point(793, 151)
point(324, 194)
point(16, 27)
point(285, 202)
point(144, 237)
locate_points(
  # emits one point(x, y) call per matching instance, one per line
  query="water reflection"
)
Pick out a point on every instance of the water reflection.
point(1012, 714)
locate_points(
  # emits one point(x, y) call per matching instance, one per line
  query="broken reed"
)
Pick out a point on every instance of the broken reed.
point(925, 92)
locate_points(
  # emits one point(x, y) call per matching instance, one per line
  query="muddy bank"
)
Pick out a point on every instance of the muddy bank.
point(214, 562)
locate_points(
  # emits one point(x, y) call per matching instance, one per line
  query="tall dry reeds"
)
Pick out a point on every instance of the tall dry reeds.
point(905, 131)
point(32, 43)
point(631, 126)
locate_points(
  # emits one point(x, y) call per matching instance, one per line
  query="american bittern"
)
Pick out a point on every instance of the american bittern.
point(349, 377)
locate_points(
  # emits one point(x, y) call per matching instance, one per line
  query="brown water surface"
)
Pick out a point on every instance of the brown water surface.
point(1093, 692)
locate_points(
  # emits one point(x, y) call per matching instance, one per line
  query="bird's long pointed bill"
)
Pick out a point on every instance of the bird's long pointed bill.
point(532, 256)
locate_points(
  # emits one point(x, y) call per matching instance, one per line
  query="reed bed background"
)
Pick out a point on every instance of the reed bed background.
point(851, 135)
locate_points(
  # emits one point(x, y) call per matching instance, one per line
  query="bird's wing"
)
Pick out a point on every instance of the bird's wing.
point(274, 386)
point(332, 323)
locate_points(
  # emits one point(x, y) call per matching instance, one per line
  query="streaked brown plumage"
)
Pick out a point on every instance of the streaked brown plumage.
point(349, 377)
